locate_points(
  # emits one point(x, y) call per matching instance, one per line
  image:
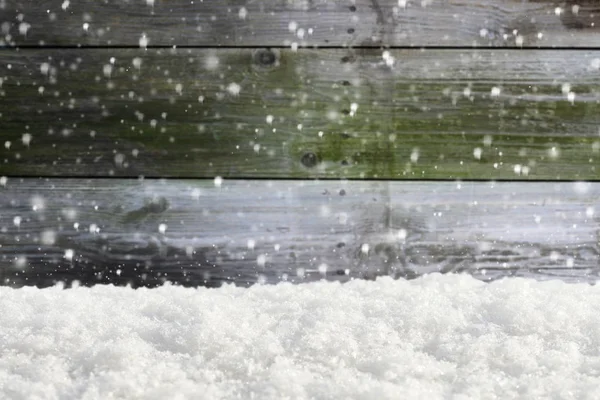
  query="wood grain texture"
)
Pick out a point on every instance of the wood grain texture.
point(196, 233)
point(306, 22)
point(401, 114)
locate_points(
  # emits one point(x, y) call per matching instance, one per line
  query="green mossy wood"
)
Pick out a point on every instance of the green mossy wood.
point(388, 114)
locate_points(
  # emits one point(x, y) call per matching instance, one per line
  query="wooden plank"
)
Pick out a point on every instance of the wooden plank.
point(305, 22)
point(202, 233)
point(401, 114)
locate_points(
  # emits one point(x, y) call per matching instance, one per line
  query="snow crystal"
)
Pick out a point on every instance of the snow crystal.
point(388, 58)
point(24, 28)
point(365, 248)
point(69, 253)
point(94, 228)
point(292, 26)
point(137, 62)
point(414, 155)
point(37, 203)
point(107, 70)
point(26, 139)
point(48, 237)
point(144, 41)
point(553, 152)
point(196, 193)
point(323, 268)
point(234, 89)
point(261, 260)
point(20, 262)
point(519, 40)
point(211, 62)
point(440, 336)
point(402, 234)
point(487, 140)
point(45, 68)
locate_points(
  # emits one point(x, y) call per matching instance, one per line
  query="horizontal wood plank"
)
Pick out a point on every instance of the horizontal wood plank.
point(207, 233)
point(399, 114)
point(305, 22)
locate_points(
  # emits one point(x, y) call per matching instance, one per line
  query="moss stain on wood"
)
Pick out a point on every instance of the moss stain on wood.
point(259, 113)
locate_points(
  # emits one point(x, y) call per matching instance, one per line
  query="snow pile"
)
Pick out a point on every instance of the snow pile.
point(435, 337)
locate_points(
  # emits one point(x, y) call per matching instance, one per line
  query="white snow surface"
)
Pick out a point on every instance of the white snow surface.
point(436, 337)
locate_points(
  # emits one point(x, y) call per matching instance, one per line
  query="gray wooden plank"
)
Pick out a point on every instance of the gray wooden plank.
point(305, 22)
point(207, 233)
point(399, 114)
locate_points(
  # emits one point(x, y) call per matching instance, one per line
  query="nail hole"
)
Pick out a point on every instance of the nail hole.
point(351, 31)
point(309, 160)
point(265, 57)
point(345, 83)
point(352, 8)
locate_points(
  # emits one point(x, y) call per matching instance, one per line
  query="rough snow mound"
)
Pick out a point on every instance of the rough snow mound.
point(434, 337)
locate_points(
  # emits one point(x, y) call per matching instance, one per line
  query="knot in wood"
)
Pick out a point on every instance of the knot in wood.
point(265, 57)
point(309, 160)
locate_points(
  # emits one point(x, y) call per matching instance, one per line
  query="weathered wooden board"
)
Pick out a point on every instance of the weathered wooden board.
point(402, 114)
point(202, 233)
point(305, 22)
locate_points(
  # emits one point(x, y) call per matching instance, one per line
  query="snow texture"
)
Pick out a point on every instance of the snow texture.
point(436, 337)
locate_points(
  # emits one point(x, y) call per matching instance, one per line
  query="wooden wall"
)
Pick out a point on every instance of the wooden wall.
point(243, 141)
